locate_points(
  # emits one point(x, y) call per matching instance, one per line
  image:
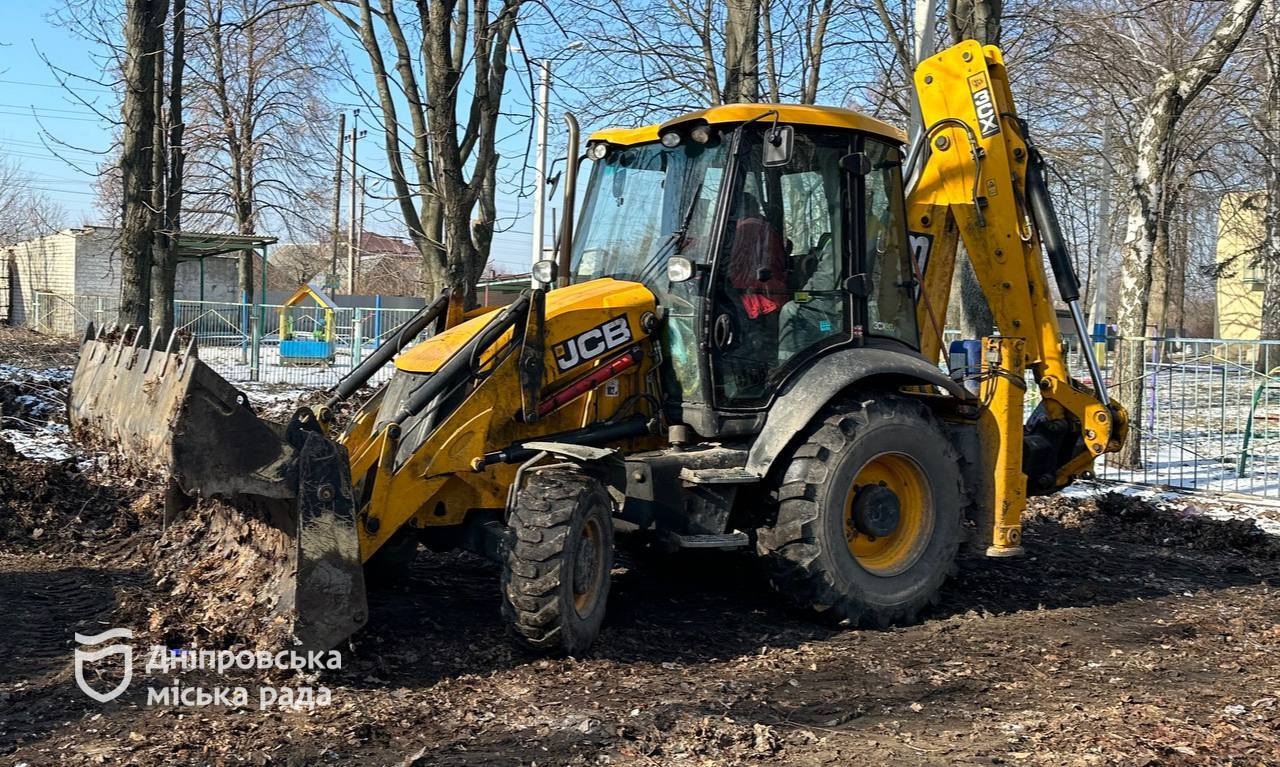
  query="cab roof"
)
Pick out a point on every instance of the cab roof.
point(795, 114)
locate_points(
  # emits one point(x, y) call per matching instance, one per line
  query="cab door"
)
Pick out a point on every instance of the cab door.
point(778, 295)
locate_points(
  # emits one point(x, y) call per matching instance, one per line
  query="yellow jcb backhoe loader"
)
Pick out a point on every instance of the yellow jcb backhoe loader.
point(741, 350)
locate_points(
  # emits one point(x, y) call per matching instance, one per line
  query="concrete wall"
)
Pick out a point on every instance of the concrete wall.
point(220, 278)
point(97, 264)
point(1240, 286)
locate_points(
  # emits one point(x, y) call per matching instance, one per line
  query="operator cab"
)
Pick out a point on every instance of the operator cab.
point(770, 235)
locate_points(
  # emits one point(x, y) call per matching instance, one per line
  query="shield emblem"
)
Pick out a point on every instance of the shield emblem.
point(89, 655)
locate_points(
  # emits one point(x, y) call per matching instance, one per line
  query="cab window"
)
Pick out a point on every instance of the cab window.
point(891, 309)
point(778, 286)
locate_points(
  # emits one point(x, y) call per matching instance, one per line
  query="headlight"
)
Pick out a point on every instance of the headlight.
point(679, 269)
point(544, 271)
point(598, 150)
point(671, 139)
point(701, 134)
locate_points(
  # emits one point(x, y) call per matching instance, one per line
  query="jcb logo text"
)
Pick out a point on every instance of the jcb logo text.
point(591, 344)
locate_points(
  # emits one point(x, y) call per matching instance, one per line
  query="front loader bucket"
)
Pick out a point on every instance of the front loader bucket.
point(162, 411)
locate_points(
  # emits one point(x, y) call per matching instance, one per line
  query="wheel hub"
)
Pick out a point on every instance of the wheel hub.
point(586, 569)
point(876, 511)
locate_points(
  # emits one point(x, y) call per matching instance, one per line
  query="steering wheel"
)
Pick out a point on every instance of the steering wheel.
point(805, 265)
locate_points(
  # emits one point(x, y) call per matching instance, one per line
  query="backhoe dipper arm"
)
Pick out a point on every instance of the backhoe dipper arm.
point(982, 183)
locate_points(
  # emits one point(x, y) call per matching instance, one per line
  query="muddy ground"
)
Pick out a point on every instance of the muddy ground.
point(1129, 635)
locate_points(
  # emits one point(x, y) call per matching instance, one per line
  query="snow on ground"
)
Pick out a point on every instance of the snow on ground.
point(33, 410)
point(235, 364)
point(47, 443)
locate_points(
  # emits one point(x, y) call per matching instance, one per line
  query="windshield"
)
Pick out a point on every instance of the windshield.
point(637, 201)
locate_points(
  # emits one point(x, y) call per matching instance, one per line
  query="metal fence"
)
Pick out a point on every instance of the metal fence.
point(63, 315)
point(1210, 415)
point(243, 342)
point(1210, 418)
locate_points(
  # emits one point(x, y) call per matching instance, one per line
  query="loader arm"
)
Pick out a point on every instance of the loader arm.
point(982, 185)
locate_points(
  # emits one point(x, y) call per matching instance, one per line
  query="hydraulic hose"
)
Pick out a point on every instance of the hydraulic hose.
point(396, 342)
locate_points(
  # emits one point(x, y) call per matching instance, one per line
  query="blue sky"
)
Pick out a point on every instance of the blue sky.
point(55, 138)
point(32, 104)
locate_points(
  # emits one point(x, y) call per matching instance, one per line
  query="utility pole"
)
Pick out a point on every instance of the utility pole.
point(364, 197)
point(351, 214)
point(540, 164)
point(1098, 304)
point(337, 204)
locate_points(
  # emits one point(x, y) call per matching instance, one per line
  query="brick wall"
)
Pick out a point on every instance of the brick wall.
point(45, 264)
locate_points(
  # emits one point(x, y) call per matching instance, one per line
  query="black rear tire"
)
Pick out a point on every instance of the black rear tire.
point(556, 574)
point(819, 553)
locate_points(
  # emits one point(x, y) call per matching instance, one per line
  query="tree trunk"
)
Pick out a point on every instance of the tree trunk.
point(1179, 257)
point(1270, 136)
point(741, 51)
point(1136, 267)
point(1158, 302)
point(144, 38)
point(166, 252)
point(973, 20)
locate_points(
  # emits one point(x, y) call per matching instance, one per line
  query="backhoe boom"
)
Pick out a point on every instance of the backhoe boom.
point(982, 185)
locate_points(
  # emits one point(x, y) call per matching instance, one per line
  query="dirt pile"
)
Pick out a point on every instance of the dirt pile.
point(224, 572)
point(279, 402)
point(21, 347)
point(56, 507)
point(1137, 520)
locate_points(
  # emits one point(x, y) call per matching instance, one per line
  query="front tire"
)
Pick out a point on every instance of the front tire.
point(869, 513)
point(556, 575)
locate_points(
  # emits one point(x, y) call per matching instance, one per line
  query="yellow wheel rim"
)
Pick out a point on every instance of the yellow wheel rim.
point(588, 568)
point(890, 554)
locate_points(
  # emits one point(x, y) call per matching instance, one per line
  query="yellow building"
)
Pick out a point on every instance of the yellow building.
point(1241, 276)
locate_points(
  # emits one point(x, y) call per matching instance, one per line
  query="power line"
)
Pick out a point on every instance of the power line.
point(53, 117)
point(47, 109)
point(59, 87)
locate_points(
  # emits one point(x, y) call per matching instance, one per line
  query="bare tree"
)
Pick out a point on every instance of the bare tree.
point(741, 51)
point(168, 167)
point(297, 263)
point(973, 20)
point(1165, 102)
point(644, 60)
point(450, 145)
point(25, 212)
point(254, 115)
point(1268, 134)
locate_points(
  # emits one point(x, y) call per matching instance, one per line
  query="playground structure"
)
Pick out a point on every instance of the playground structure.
point(306, 327)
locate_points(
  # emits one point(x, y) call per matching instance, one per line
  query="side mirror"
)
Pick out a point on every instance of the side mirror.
point(856, 163)
point(544, 271)
point(777, 146)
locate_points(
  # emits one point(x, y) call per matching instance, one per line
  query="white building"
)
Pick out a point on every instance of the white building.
point(62, 281)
